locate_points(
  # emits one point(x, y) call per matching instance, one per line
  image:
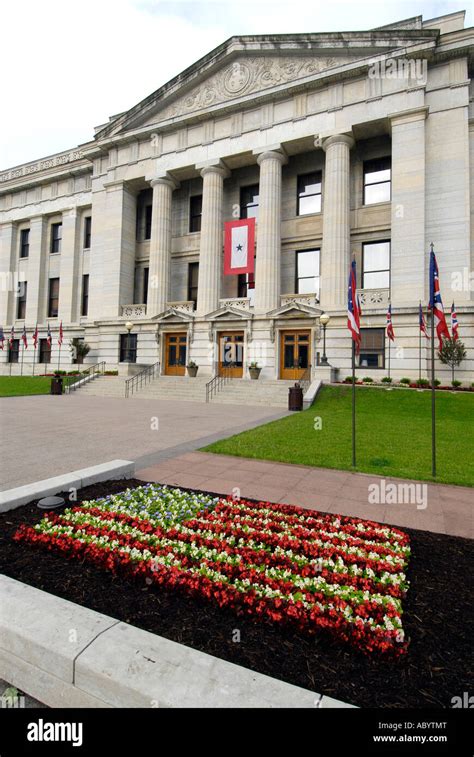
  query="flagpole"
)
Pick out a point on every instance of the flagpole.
point(34, 359)
point(353, 407)
point(433, 398)
point(389, 354)
point(59, 356)
point(22, 355)
point(419, 347)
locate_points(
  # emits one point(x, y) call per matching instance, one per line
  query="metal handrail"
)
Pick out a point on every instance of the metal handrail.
point(147, 374)
point(305, 379)
point(217, 382)
point(72, 382)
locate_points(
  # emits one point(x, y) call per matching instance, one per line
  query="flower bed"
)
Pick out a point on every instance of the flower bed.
point(276, 562)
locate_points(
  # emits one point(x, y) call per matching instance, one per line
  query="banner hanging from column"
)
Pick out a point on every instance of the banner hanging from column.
point(239, 246)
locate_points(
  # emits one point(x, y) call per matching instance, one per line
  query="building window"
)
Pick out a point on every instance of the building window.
point(377, 180)
point(144, 215)
point(56, 236)
point(372, 348)
point(53, 298)
point(21, 307)
point(308, 272)
point(193, 275)
point(309, 193)
point(376, 265)
point(24, 243)
point(87, 232)
point(128, 348)
point(44, 351)
point(246, 285)
point(148, 214)
point(13, 351)
point(249, 200)
point(85, 294)
point(146, 272)
point(195, 213)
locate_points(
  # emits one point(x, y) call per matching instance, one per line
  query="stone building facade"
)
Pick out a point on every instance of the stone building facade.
point(340, 144)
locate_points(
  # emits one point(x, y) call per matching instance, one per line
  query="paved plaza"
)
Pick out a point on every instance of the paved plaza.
point(45, 436)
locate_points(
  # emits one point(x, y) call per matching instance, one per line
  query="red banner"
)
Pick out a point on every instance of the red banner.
point(239, 246)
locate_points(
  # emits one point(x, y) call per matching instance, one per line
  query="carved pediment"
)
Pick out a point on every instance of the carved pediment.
point(173, 314)
point(229, 314)
point(295, 310)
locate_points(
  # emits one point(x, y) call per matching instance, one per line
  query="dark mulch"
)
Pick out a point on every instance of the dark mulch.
point(438, 611)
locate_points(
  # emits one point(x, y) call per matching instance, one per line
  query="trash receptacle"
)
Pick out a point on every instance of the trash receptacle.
point(295, 397)
point(57, 385)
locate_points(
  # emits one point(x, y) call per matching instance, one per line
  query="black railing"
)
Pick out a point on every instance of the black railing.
point(215, 384)
point(305, 380)
point(71, 383)
point(136, 382)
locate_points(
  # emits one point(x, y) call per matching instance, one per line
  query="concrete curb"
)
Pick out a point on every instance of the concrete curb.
point(66, 655)
point(21, 495)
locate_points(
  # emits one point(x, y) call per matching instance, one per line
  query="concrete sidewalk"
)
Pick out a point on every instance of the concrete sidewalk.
point(449, 509)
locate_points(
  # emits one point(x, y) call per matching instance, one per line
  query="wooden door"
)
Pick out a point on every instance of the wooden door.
point(175, 354)
point(295, 354)
point(231, 353)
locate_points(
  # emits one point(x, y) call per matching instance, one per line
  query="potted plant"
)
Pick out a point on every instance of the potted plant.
point(254, 370)
point(192, 369)
point(79, 350)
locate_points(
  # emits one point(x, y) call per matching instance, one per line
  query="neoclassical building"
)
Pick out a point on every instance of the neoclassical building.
point(338, 144)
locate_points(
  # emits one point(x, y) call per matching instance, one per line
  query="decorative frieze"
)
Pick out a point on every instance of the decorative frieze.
point(184, 306)
point(41, 165)
point(373, 298)
point(242, 303)
point(300, 299)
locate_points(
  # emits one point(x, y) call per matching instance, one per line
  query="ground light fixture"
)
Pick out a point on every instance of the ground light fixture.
point(324, 320)
point(129, 326)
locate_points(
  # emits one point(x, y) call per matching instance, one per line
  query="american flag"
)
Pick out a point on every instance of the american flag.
point(12, 337)
point(48, 336)
point(2, 338)
point(423, 328)
point(35, 337)
point(60, 337)
point(24, 339)
point(454, 323)
point(390, 332)
point(436, 302)
point(353, 307)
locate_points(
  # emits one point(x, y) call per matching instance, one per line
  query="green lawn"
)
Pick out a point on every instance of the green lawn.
point(393, 434)
point(15, 386)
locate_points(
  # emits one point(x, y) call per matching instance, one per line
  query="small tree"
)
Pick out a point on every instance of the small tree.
point(79, 350)
point(452, 353)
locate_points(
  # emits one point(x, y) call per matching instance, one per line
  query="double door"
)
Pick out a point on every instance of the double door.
point(295, 354)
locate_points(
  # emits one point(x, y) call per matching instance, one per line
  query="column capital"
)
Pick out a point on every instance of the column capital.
point(213, 166)
point(165, 180)
point(335, 139)
point(273, 152)
point(408, 116)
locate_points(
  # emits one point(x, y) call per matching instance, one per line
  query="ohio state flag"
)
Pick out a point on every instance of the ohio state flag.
point(239, 246)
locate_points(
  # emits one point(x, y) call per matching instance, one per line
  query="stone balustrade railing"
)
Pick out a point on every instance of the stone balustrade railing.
point(302, 299)
point(242, 303)
point(185, 306)
point(134, 311)
point(373, 298)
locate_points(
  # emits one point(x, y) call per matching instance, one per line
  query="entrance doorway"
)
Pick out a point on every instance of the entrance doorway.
point(295, 354)
point(231, 353)
point(175, 354)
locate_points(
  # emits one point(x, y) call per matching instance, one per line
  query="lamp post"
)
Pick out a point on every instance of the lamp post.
point(129, 327)
point(324, 320)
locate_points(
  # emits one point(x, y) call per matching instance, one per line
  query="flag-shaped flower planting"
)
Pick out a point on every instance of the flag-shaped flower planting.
point(276, 562)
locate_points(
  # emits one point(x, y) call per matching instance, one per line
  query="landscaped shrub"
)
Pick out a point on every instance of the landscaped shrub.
point(368, 380)
point(348, 379)
point(405, 381)
point(110, 373)
point(437, 382)
point(387, 380)
point(423, 382)
point(456, 383)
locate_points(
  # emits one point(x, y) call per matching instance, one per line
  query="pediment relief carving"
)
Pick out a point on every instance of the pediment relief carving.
point(244, 77)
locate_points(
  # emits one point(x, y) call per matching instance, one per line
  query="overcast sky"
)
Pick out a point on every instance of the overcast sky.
point(66, 67)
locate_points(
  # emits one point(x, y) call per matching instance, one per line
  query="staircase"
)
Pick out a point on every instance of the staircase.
point(236, 391)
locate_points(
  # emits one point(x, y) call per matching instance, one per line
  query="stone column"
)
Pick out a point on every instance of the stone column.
point(409, 260)
point(71, 286)
point(160, 245)
point(210, 251)
point(8, 272)
point(37, 295)
point(267, 270)
point(335, 254)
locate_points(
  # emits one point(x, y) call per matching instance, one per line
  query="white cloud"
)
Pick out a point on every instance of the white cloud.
point(68, 67)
